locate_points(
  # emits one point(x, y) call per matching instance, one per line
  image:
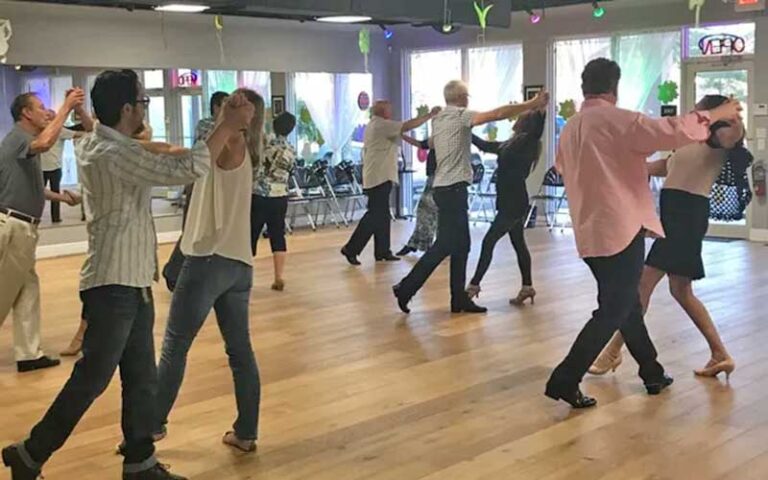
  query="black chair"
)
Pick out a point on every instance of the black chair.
point(552, 190)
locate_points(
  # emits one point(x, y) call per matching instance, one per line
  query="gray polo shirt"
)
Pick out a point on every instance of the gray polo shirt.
point(452, 132)
point(21, 178)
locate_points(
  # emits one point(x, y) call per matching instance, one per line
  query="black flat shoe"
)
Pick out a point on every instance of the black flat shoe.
point(388, 258)
point(402, 302)
point(42, 362)
point(406, 250)
point(19, 469)
point(467, 306)
point(657, 387)
point(576, 399)
point(352, 259)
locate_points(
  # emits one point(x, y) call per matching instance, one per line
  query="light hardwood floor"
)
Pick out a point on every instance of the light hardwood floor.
point(352, 389)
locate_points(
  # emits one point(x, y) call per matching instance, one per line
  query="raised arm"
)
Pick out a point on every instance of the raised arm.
point(486, 146)
point(50, 135)
point(648, 135)
point(423, 144)
point(658, 168)
point(419, 121)
point(511, 110)
point(85, 118)
point(236, 115)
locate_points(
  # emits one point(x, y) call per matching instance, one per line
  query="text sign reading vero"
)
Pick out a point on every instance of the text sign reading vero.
point(722, 44)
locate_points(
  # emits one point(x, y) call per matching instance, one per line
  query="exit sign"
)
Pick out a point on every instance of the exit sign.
point(749, 5)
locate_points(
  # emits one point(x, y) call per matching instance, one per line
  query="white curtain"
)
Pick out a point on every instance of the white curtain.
point(571, 56)
point(646, 60)
point(260, 82)
point(495, 78)
point(332, 101)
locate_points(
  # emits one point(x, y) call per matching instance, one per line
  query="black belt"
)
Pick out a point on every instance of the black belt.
point(20, 216)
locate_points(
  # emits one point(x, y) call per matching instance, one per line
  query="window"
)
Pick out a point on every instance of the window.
point(330, 117)
point(720, 40)
point(429, 72)
point(230, 80)
point(153, 79)
point(495, 78)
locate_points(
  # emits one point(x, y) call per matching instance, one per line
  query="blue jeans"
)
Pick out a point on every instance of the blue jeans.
point(224, 285)
point(119, 333)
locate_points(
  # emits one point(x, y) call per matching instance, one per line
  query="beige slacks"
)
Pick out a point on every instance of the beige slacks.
point(20, 286)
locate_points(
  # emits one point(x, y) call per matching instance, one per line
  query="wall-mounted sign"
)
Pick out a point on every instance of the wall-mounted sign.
point(749, 5)
point(720, 40)
point(363, 101)
point(186, 78)
point(722, 44)
point(669, 110)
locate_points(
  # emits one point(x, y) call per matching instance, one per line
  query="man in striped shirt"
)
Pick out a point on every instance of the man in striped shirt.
point(118, 173)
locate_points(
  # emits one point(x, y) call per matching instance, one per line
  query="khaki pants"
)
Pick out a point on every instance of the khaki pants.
point(20, 286)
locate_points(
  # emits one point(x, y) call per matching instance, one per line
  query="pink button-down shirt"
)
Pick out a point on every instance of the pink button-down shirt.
point(602, 157)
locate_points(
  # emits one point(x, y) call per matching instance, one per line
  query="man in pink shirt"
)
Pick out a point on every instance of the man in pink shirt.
point(602, 157)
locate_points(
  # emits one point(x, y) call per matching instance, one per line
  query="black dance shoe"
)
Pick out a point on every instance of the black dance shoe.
point(656, 388)
point(352, 259)
point(406, 250)
point(19, 469)
point(40, 363)
point(467, 306)
point(575, 399)
point(388, 258)
point(402, 301)
point(158, 472)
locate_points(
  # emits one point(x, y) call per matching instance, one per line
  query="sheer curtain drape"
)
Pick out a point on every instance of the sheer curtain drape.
point(495, 78)
point(332, 101)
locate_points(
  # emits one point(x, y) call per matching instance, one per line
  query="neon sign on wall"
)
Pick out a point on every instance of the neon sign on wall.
point(722, 44)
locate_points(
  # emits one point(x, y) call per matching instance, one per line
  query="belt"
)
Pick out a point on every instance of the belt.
point(20, 216)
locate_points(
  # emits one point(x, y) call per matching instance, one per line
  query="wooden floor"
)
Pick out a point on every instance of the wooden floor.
point(352, 389)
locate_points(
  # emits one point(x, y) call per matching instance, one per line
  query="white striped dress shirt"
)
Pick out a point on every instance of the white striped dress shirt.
point(117, 175)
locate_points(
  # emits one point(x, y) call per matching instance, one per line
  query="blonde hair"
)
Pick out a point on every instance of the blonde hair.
point(254, 135)
point(454, 90)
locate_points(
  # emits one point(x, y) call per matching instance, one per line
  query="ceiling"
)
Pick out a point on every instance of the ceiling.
point(417, 12)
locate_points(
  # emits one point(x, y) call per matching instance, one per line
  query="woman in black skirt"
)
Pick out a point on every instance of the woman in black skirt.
point(517, 157)
point(690, 174)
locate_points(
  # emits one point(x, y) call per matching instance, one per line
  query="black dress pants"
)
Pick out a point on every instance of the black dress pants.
point(453, 241)
point(619, 308)
point(375, 223)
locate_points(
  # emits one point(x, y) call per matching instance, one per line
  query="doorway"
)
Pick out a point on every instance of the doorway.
point(723, 77)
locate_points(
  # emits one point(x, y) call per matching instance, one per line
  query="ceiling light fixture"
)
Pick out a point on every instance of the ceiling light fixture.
point(533, 17)
point(597, 10)
point(344, 19)
point(181, 8)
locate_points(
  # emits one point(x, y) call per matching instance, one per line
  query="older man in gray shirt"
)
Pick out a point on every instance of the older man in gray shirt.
point(22, 198)
point(118, 173)
point(452, 138)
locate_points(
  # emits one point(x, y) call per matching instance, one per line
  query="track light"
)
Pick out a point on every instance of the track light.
point(533, 17)
point(597, 10)
point(388, 34)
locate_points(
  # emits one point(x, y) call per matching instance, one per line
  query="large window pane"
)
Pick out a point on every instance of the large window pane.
point(157, 120)
point(153, 79)
point(495, 78)
point(430, 71)
point(191, 113)
point(720, 40)
point(646, 61)
point(220, 81)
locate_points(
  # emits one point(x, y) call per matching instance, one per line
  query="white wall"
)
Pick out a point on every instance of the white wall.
point(58, 35)
point(622, 15)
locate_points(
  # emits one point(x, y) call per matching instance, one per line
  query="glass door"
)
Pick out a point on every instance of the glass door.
point(723, 79)
point(191, 114)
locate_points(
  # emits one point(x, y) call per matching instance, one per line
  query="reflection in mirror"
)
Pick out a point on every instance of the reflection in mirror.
point(179, 102)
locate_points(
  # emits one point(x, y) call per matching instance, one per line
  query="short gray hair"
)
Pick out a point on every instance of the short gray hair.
point(454, 90)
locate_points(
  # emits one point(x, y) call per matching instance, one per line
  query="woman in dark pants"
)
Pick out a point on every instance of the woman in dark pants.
point(269, 203)
point(517, 157)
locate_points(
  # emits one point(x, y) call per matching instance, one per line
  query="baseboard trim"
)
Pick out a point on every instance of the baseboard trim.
point(758, 234)
point(78, 248)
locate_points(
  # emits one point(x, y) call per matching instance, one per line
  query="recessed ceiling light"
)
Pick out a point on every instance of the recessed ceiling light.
point(182, 8)
point(344, 19)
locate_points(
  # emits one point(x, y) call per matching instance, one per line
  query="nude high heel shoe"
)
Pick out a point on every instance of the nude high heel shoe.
point(714, 368)
point(606, 362)
point(76, 345)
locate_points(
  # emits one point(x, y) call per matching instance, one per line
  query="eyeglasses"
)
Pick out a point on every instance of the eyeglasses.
point(143, 100)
